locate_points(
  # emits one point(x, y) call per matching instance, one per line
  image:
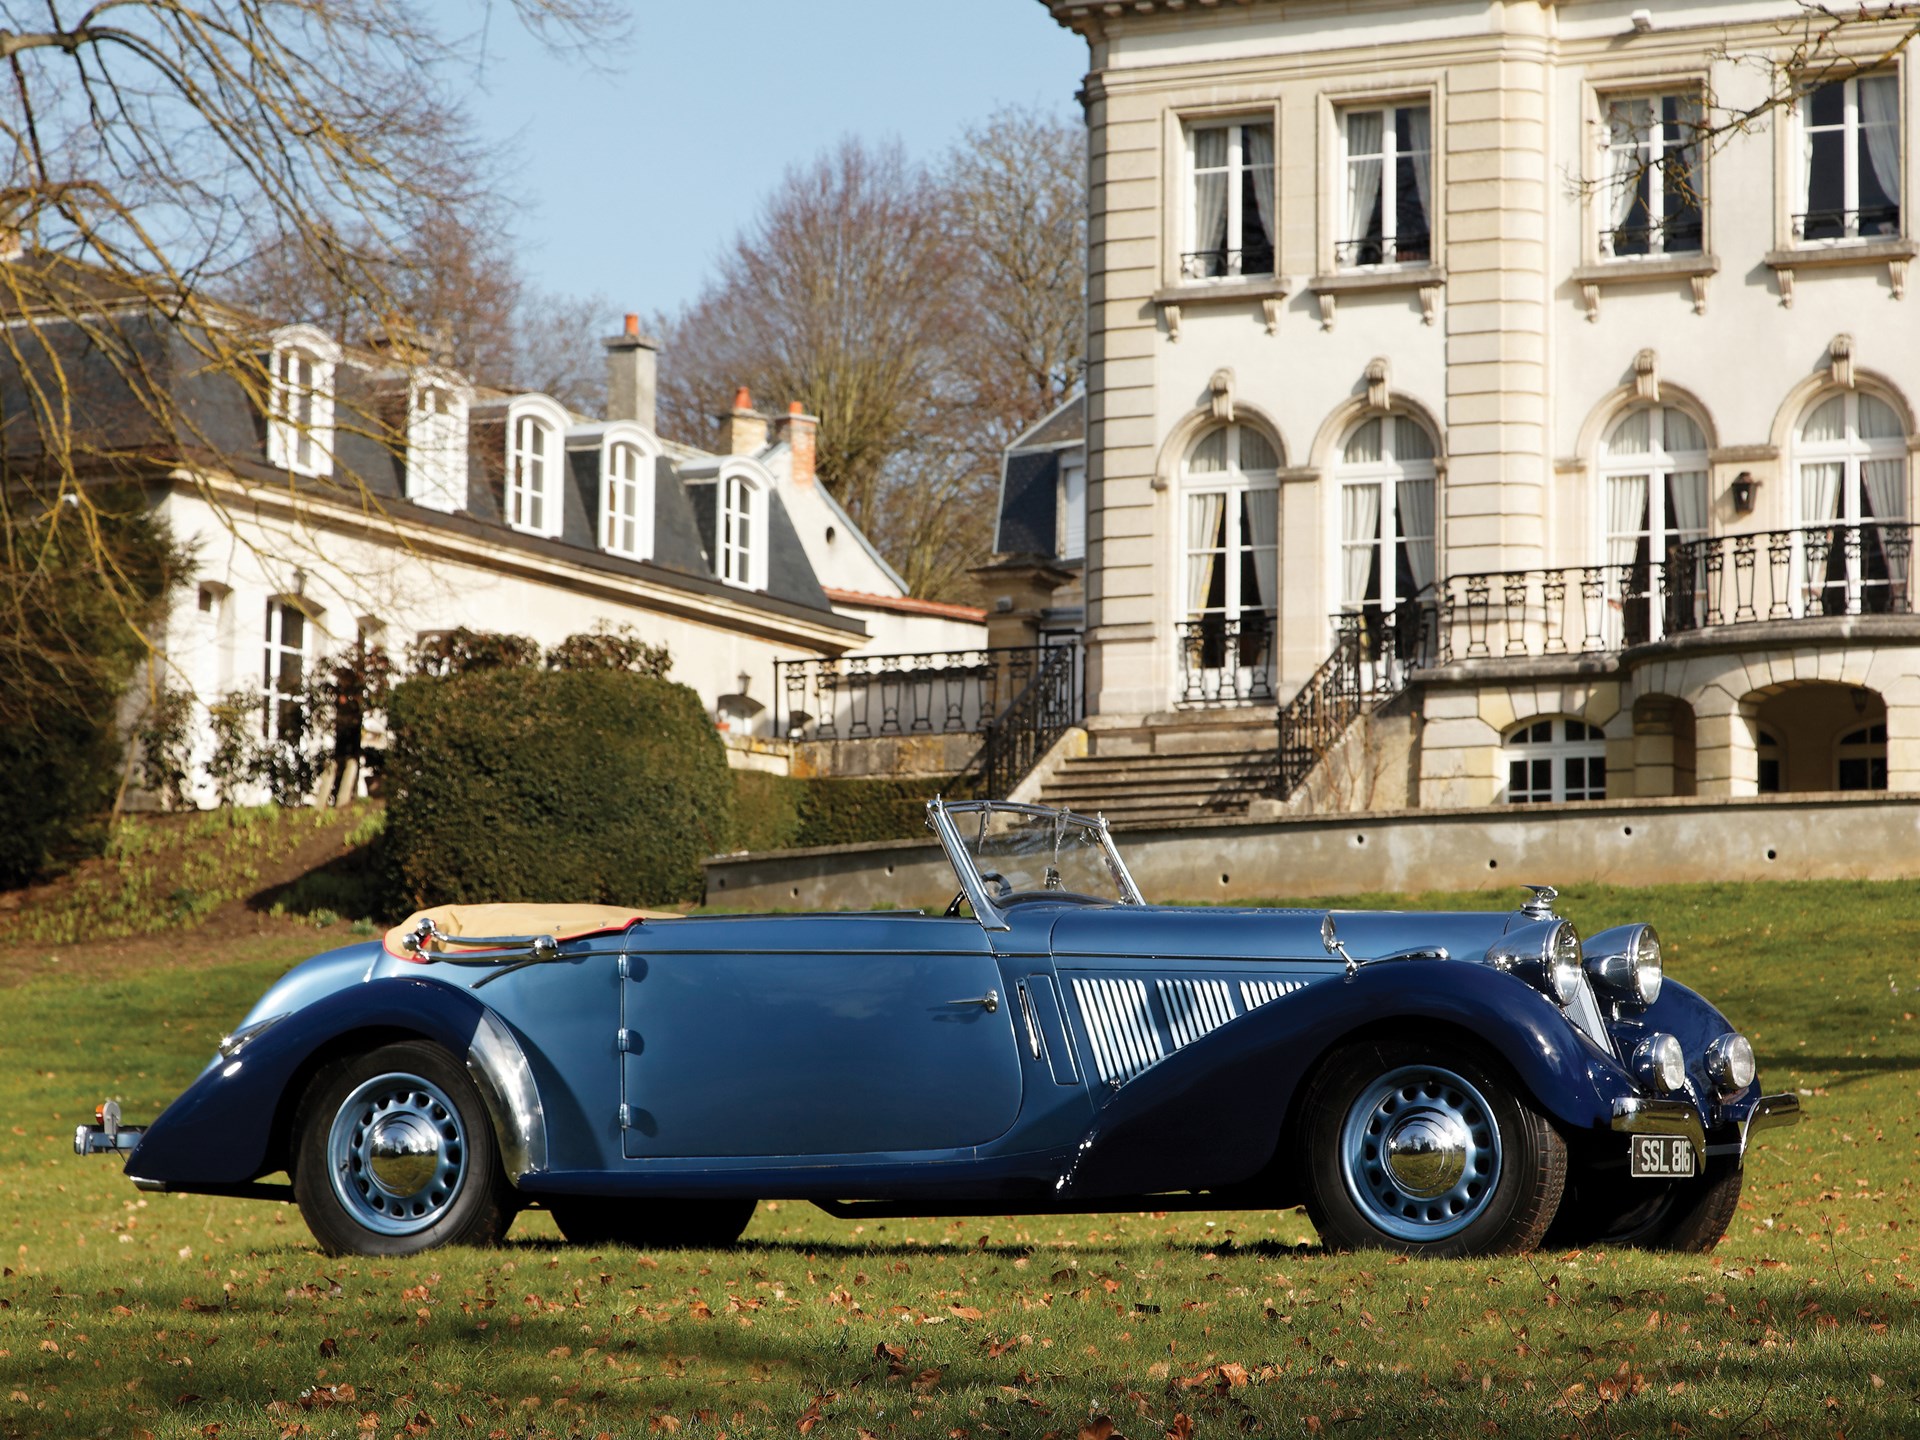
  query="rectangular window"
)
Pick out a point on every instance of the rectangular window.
point(1230, 217)
point(1385, 215)
point(1073, 507)
point(527, 478)
point(736, 531)
point(1651, 199)
point(1850, 159)
point(285, 681)
point(623, 529)
point(300, 412)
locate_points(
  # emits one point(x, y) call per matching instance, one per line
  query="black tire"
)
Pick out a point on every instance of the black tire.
point(1608, 1208)
point(1476, 1169)
point(394, 1153)
point(651, 1224)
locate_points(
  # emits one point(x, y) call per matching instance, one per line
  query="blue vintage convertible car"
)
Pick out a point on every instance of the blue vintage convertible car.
point(1440, 1084)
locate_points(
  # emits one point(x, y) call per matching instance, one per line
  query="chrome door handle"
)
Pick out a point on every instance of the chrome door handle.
point(989, 1001)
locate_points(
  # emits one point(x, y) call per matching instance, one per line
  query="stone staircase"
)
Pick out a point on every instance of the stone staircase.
point(1147, 770)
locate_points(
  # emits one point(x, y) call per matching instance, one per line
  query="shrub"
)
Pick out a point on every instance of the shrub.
point(467, 652)
point(166, 747)
point(774, 812)
point(535, 785)
point(605, 649)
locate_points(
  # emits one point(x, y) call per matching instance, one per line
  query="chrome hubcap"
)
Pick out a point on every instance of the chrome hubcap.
point(1420, 1153)
point(397, 1154)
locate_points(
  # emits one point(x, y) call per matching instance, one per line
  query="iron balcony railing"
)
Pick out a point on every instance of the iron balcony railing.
point(1226, 661)
point(1413, 248)
point(1374, 652)
point(1869, 222)
point(1226, 264)
point(1723, 580)
point(936, 692)
point(1044, 709)
point(1676, 235)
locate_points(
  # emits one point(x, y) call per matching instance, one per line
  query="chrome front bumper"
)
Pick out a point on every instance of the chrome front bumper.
point(1640, 1116)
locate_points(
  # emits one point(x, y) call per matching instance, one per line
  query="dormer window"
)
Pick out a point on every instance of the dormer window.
point(626, 500)
point(740, 528)
point(436, 443)
point(532, 500)
point(300, 401)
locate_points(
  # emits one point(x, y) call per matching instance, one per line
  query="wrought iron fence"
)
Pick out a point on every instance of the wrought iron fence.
point(1676, 235)
point(1038, 715)
point(1226, 661)
point(936, 692)
point(1866, 223)
point(1413, 248)
point(1374, 652)
point(1226, 264)
point(1765, 575)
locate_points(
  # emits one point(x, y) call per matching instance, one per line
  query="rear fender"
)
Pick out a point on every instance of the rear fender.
point(224, 1129)
point(1213, 1113)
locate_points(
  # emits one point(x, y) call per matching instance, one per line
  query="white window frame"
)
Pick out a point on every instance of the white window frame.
point(741, 561)
point(437, 440)
point(1191, 267)
point(1073, 505)
point(1657, 465)
point(1852, 452)
point(626, 500)
point(301, 368)
point(276, 650)
point(532, 500)
point(1555, 752)
point(1654, 144)
point(1852, 148)
point(1387, 473)
point(1860, 742)
point(1389, 199)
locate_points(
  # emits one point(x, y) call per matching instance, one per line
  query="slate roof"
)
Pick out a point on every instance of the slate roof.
point(1029, 482)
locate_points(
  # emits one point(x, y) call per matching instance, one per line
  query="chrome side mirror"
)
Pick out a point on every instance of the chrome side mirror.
point(1330, 941)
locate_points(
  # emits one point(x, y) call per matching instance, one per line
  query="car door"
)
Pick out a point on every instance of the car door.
point(808, 1035)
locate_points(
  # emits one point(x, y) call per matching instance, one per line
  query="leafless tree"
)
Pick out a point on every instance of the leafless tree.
point(152, 148)
point(926, 316)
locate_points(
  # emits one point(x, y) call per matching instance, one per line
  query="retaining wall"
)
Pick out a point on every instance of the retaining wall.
point(1626, 842)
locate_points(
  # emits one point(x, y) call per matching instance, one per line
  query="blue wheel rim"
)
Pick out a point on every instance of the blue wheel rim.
point(397, 1193)
point(1430, 1124)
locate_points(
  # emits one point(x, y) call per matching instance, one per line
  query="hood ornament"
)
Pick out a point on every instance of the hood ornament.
point(1540, 907)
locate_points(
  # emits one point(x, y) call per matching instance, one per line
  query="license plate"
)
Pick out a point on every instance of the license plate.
point(1660, 1157)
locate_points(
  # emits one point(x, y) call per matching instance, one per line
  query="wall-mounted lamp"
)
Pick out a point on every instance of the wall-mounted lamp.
point(1745, 490)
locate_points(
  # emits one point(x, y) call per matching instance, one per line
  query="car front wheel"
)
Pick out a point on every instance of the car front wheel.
point(394, 1154)
point(1609, 1208)
point(1426, 1149)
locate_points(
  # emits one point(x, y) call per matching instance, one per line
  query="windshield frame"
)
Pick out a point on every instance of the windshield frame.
point(940, 818)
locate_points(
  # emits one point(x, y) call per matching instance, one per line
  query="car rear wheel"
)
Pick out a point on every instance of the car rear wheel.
point(394, 1154)
point(1686, 1216)
point(651, 1224)
point(1428, 1150)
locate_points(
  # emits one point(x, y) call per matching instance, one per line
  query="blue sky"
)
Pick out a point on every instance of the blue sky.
point(633, 178)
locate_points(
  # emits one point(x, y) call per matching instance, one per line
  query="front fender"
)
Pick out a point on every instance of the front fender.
point(220, 1132)
point(1212, 1113)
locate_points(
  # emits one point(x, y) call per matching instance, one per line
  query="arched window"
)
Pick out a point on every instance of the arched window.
point(300, 401)
point(1386, 475)
point(626, 502)
point(742, 526)
point(1653, 465)
point(1851, 457)
point(1230, 496)
point(1554, 760)
point(533, 473)
point(1860, 759)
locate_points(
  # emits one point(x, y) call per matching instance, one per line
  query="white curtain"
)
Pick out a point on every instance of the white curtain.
point(1820, 492)
point(1687, 503)
point(1363, 445)
point(1880, 129)
point(1630, 130)
point(1415, 498)
point(1204, 514)
point(1806, 154)
point(1363, 174)
point(1360, 519)
point(1263, 538)
point(1419, 140)
point(1885, 482)
point(1209, 190)
point(1827, 424)
point(1626, 517)
point(1259, 162)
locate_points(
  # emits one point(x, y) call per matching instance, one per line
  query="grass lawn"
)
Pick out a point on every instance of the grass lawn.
point(130, 1315)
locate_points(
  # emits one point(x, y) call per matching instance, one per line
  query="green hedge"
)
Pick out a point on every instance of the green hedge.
point(537, 785)
point(774, 812)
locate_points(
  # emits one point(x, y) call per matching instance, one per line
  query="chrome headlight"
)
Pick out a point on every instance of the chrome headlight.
point(1544, 953)
point(1660, 1064)
point(1625, 963)
point(1730, 1063)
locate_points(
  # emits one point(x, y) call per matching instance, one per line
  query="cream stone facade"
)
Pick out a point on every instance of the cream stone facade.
point(1512, 277)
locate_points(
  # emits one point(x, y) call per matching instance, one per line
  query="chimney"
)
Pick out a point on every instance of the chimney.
point(633, 365)
point(743, 429)
point(800, 430)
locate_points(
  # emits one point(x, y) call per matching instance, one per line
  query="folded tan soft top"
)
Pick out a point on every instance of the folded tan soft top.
point(562, 922)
